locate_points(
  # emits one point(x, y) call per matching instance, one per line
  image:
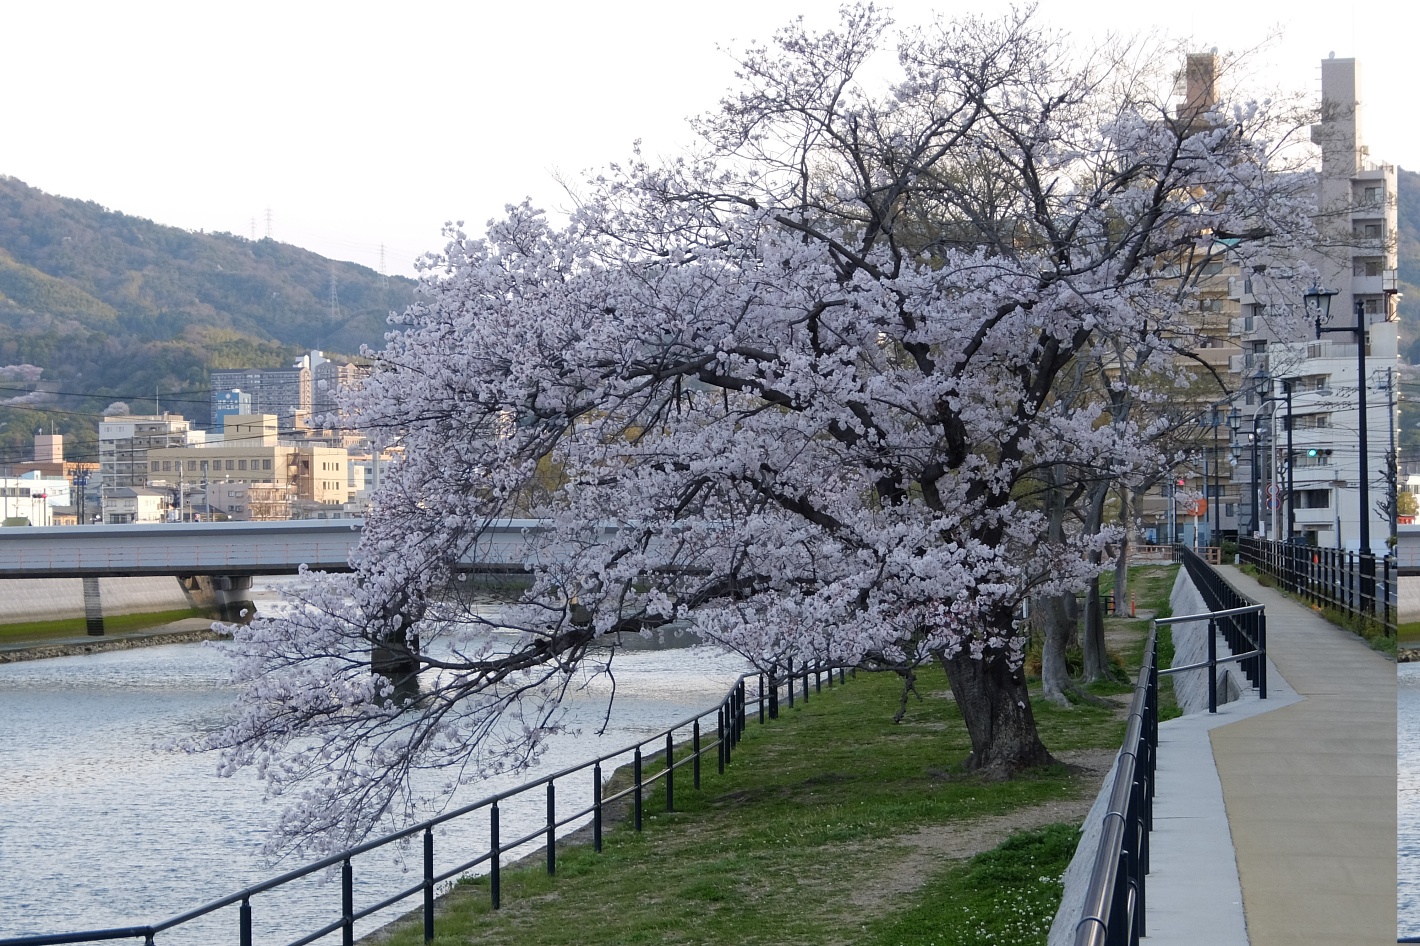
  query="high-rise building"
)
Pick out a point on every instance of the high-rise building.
point(124, 442)
point(1313, 385)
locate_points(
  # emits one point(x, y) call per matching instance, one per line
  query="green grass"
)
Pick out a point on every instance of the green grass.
point(1408, 634)
point(814, 834)
point(40, 631)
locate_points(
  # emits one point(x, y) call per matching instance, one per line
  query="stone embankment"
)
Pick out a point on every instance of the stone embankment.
point(1407, 655)
point(186, 631)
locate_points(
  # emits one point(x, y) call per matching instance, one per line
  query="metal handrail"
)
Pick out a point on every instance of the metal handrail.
point(731, 712)
point(1114, 898)
point(1364, 586)
point(1113, 911)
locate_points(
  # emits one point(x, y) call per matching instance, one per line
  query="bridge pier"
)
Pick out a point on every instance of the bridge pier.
point(226, 597)
point(93, 608)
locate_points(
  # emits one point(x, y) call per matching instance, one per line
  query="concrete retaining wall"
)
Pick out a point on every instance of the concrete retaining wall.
point(54, 599)
point(1190, 642)
point(1190, 646)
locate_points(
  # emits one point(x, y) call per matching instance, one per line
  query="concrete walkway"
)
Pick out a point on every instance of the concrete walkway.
point(1286, 805)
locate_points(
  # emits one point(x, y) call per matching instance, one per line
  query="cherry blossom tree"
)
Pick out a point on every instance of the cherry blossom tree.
point(796, 391)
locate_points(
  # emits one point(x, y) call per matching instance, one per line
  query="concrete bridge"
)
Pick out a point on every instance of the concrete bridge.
point(219, 549)
point(213, 563)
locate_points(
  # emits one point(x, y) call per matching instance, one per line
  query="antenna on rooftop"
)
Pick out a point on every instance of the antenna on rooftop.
point(268, 223)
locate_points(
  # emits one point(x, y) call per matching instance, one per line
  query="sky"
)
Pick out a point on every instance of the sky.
point(357, 129)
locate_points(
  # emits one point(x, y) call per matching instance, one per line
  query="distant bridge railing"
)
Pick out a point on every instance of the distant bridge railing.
point(233, 548)
point(1363, 587)
point(681, 746)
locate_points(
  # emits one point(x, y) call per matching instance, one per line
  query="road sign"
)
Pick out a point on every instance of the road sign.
point(1274, 497)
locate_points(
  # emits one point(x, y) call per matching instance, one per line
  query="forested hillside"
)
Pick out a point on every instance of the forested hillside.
point(117, 308)
point(1408, 248)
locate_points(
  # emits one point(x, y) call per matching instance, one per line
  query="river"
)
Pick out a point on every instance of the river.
point(1408, 803)
point(100, 828)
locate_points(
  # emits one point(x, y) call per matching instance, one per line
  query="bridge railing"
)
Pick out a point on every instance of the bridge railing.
point(685, 745)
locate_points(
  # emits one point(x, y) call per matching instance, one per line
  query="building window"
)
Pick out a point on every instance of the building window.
point(266, 464)
point(1373, 195)
point(230, 466)
point(241, 464)
point(192, 466)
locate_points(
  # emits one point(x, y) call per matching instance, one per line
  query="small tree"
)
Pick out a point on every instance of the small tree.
point(810, 374)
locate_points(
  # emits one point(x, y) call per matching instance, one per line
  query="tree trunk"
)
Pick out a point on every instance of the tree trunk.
point(1128, 502)
point(1095, 659)
point(1056, 630)
point(995, 706)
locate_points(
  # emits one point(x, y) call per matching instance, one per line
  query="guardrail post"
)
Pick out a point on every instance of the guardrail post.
point(695, 750)
point(740, 710)
point(806, 681)
point(494, 880)
point(720, 738)
point(636, 773)
point(789, 679)
point(760, 701)
point(818, 677)
point(1212, 666)
point(551, 830)
point(670, 775)
point(347, 897)
point(1261, 627)
point(243, 924)
point(773, 692)
point(428, 885)
point(597, 807)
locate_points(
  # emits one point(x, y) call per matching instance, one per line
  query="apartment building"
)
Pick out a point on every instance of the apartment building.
point(249, 454)
point(1303, 391)
point(125, 441)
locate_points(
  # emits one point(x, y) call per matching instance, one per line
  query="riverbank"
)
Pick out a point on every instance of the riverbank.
point(184, 631)
point(832, 825)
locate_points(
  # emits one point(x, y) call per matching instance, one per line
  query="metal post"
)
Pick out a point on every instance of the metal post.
point(597, 807)
point(494, 881)
point(789, 679)
point(244, 923)
point(551, 830)
point(720, 738)
point(636, 771)
point(1212, 666)
point(428, 886)
point(760, 701)
point(347, 899)
point(773, 693)
point(695, 749)
point(670, 774)
point(1291, 496)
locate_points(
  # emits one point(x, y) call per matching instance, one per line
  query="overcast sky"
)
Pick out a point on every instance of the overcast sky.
point(351, 126)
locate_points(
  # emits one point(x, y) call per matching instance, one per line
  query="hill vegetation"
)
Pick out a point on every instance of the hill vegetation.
point(114, 308)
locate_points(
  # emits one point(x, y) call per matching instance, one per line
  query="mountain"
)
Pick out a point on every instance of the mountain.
point(115, 308)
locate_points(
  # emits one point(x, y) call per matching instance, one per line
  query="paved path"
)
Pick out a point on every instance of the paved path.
point(1290, 802)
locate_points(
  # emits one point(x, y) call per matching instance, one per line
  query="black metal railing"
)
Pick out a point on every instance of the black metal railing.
point(1363, 587)
point(1242, 622)
point(1114, 899)
point(684, 745)
point(1113, 913)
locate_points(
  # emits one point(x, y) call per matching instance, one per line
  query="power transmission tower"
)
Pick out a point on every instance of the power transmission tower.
point(334, 301)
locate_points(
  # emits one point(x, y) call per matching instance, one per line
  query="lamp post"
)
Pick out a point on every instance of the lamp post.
point(1318, 302)
point(1257, 461)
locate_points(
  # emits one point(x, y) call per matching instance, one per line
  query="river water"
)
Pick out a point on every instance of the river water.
point(98, 828)
point(1408, 802)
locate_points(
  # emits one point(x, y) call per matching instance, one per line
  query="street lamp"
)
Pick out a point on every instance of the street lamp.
point(1318, 301)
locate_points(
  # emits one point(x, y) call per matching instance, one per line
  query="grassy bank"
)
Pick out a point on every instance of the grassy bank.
point(833, 825)
point(41, 631)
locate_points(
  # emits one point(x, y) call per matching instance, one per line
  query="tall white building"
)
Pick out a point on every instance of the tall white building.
point(1356, 260)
